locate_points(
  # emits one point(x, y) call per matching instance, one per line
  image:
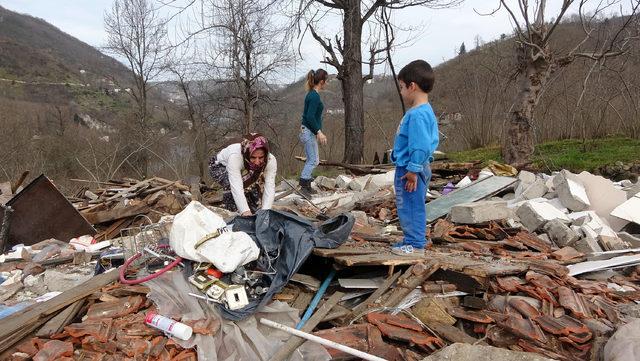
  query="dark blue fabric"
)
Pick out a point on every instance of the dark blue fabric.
point(412, 210)
point(288, 240)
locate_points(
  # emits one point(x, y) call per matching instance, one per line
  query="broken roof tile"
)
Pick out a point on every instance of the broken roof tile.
point(570, 301)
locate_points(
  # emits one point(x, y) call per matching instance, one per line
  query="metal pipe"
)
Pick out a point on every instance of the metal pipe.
point(316, 299)
point(322, 341)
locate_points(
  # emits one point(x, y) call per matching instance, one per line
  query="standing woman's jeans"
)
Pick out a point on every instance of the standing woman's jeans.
point(310, 143)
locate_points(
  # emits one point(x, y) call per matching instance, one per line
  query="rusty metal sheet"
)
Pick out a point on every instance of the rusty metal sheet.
point(42, 212)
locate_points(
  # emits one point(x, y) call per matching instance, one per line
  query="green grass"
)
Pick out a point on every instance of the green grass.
point(571, 154)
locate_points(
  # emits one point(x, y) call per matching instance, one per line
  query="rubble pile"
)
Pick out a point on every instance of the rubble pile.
point(523, 266)
point(108, 325)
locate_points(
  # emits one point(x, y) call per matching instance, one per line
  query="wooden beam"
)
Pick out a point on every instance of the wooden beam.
point(412, 278)
point(57, 323)
point(115, 214)
point(355, 312)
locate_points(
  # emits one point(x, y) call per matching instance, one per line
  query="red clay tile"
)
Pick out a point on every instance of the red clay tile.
point(473, 316)
point(523, 327)
point(54, 350)
point(524, 307)
point(570, 301)
point(100, 329)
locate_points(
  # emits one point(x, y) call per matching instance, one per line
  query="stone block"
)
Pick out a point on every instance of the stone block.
point(533, 215)
point(629, 210)
point(479, 212)
point(526, 177)
point(560, 233)
point(571, 191)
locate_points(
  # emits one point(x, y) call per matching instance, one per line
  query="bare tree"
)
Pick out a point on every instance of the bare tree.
point(249, 50)
point(537, 60)
point(137, 33)
point(344, 52)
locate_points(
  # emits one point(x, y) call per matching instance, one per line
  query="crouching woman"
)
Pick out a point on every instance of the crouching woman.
point(246, 171)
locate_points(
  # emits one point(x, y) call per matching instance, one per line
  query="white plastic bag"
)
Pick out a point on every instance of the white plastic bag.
point(189, 226)
point(229, 250)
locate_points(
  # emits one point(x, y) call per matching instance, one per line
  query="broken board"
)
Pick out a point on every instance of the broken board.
point(480, 189)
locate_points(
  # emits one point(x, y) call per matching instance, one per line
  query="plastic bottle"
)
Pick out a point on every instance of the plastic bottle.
point(174, 328)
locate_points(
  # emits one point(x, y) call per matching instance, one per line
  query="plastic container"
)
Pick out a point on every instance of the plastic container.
point(174, 328)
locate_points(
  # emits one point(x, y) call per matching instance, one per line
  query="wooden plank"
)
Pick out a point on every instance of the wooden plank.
point(476, 191)
point(114, 214)
point(355, 312)
point(57, 323)
point(294, 342)
point(343, 251)
point(40, 313)
point(302, 302)
point(377, 259)
point(412, 278)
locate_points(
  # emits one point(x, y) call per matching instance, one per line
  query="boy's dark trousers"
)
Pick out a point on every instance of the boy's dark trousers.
point(411, 207)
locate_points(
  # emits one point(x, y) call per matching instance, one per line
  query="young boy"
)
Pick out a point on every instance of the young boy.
point(415, 142)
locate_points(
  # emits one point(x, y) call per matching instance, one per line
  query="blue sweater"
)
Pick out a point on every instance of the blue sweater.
point(416, 139)
point(312, 114)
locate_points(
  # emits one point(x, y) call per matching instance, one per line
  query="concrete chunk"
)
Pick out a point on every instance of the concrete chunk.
point(571, 192)
point(560, 233)
point(342, 181)
point(379, 181)
point(533, 190)
point(325, 182)
point(587, 244)
point(479, 212)
point(534, 215)
point(360, 183)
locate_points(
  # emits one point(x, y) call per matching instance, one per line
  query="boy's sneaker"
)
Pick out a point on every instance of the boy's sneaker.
point(407, 250)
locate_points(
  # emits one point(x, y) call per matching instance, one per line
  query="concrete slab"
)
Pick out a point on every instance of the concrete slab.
point(629, 210)
point(479, 212)
point(604, 198)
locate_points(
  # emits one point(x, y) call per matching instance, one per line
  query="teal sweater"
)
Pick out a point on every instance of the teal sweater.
point(312, 114)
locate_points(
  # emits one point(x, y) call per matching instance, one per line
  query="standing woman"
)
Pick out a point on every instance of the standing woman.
point(246, 171)
point(311, 130)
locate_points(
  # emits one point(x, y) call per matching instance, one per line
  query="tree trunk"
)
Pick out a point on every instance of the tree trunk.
point(352, 84)
point(519, 139)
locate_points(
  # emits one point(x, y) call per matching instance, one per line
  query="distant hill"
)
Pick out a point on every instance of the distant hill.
point(33, 50)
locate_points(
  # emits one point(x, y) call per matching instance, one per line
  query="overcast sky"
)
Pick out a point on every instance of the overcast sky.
point(443, 30)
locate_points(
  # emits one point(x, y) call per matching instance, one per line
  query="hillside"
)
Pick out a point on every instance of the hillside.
point(34, 50)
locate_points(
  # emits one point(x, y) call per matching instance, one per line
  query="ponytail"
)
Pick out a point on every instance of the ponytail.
point(314, 77)
point(308, 85)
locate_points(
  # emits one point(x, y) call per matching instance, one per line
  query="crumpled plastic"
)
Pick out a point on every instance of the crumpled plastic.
point(235, 341)
point(285, 242)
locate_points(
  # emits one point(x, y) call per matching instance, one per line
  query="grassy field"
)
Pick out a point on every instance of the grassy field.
point(571, 154)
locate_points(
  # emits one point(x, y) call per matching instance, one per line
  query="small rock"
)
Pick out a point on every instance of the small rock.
point(560, 233)
point(342, 181)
